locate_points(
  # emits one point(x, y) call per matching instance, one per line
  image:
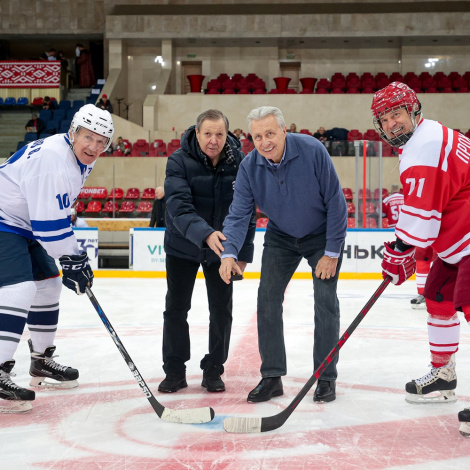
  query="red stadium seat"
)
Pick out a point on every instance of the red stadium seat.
point(361, 192)
point(351, 222)
point(99, 193)
point(79, 207)
point(157, 148)
point(173, 145)
point(353, 135)
point(144, 207)
point(371, 223)
point(351, 208)
point(132, 193)
point(127, 207)
point(116, 193)
point(262, 222)
point(93, 207)
point(384, 193)
point(110, 207)
point(348, 194)
point(141, 148)
point(385, 222)
point(148, 193)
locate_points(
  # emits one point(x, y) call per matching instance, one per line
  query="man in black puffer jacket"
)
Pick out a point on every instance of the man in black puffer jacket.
point(200, 177)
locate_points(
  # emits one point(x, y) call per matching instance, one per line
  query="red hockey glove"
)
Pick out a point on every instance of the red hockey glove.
point(399, 266)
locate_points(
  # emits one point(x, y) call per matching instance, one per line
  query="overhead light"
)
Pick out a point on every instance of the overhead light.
point(159, 59)
point(154, 87)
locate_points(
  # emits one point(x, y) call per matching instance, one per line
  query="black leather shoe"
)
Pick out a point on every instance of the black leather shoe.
point(325, 391)
point(173, 383)
point(211, 380)
point(268, 388)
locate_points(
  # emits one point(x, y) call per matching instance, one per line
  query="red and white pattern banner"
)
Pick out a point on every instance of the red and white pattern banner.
point(29, 74)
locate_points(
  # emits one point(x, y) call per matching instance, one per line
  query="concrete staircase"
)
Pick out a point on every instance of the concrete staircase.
point(12, 130)
point(12, 122)
point(78, 94)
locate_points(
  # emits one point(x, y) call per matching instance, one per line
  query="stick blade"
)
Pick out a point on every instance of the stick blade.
point(188, 416)
point(242, 425)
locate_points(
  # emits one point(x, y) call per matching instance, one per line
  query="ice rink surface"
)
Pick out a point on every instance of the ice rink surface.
point(107, 423)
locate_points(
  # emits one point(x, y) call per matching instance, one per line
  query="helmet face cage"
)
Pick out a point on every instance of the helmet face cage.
point(94, 119)
point(391, 98)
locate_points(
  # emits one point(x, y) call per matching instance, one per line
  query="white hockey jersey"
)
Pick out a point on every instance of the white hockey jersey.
point(38, 185)
point(435, 174)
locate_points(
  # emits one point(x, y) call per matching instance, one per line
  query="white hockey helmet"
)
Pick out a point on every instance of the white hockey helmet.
point(94, 119)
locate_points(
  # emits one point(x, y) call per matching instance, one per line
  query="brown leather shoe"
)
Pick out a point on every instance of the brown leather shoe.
point(268, 388)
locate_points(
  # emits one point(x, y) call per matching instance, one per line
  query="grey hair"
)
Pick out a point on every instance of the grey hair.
point(212, 115)
point(265, 111)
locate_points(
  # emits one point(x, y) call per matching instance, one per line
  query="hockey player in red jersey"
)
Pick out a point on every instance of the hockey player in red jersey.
point(435, 174)
point(391, 207)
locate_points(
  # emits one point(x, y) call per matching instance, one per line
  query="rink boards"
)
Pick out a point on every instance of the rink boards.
point(361, 260)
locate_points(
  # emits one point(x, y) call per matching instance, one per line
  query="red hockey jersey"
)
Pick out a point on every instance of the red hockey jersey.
point(391, 206)
point(435, 174)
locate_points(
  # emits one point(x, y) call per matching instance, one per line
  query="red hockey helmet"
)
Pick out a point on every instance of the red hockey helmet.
point(395, 96)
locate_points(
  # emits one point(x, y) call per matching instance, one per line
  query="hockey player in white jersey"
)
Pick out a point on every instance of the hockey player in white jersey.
point(435, 174)
point(39, 184)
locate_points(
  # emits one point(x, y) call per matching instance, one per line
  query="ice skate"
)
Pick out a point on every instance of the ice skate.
point(464, 418)
point(47, 373)
point(13, 399)
point(435, 387)
point(418, 303)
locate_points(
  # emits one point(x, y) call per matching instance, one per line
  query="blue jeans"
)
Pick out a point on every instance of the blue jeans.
point(281, 257)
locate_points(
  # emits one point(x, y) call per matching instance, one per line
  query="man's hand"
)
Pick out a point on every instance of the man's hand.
point(76, 272)
point(326, 267)
point(214, 242)
point(399, 266)
point(229, 266)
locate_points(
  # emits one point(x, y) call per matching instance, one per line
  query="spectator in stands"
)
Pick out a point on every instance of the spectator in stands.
point(35, 124)
point(75, 220)
point(49, 104)
point(86, 75)
point(293, 128)
point(122, 145)
point(157, 218)
point(105, 104)
point(64, 68)
point(49, 55)
point(209, 157)
point(239, 134)
point(321, 134)
point(307, 213)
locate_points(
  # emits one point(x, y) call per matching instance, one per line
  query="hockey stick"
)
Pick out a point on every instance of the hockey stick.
point(252, 425)
point(189, 416)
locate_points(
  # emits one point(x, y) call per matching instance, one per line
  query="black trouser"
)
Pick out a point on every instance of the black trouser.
point(181, 275)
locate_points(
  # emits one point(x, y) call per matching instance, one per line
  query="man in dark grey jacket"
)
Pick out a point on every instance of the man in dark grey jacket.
point(200, 177)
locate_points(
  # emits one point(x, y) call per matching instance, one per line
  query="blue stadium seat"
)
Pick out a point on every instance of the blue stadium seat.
point(78, 103)
point(70, 113)
point(10, 101)
point(22, 101)
point(45, 115)
point(52, 126)
point(1, 100)
point(44, 135)
point(64, 126)
point(30, 136)
point(20, 144)
point(59, 114)
point(65, 104)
